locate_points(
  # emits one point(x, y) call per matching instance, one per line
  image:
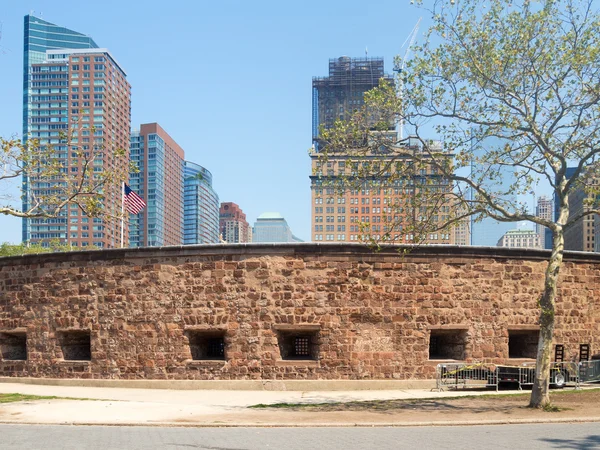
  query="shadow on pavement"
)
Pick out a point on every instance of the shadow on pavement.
point(394, 406)
point(588, 442)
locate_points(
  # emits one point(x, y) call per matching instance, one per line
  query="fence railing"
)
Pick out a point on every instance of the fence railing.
point(589, 371)
point(561, 374)
point(455, 375)
point(462, 375)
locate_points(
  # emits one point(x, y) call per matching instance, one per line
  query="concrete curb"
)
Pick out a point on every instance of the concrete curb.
point(314, 425)
point(232, 385)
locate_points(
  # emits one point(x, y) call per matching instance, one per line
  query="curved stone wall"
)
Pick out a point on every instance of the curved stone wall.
point(283, 312)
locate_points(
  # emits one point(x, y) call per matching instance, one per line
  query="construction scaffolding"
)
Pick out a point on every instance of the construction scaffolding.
point(338, 95)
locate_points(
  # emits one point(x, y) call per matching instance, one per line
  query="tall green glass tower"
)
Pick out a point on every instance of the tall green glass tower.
point(40, 36)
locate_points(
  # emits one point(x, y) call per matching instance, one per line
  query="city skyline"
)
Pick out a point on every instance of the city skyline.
point(238, 97)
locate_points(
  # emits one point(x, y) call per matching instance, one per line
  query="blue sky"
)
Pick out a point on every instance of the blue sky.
point(230, 81)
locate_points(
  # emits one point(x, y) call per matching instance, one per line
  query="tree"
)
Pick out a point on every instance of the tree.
point(7, 249)
point(506, 86)
point(46, 168)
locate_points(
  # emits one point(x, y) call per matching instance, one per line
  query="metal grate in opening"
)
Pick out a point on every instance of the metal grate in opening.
point(559, 353)
point(584, 352)
point(302, 346)
point(215, 348)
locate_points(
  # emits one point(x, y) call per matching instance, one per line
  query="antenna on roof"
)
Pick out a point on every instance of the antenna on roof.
point(366, 52)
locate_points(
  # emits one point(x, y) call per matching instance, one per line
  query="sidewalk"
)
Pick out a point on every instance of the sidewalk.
point(159, 407)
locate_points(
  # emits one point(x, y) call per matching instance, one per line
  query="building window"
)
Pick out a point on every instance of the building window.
point(522, 343)
point(13, 346)
point(207, 344)
point(447, 344)
point(75, 345)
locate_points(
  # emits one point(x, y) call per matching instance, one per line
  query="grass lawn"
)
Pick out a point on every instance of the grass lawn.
point(9, 398)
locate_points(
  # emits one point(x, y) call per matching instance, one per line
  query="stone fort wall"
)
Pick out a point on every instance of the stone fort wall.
point(284, 312)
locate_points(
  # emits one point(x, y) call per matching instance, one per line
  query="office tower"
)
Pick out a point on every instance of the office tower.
point(377, 207)
point(581, 235)
point(233, 226)
point(549, 236)
point(462, 229)
point(73, 87)
point(520, 239)
point(159, 180)
point(544, 210)
point(272, 227)
point(200, 206)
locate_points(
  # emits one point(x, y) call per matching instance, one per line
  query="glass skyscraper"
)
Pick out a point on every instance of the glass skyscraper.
point(272, 227)
point(159, 180)
point(40, 36)
point(72, 86)
point(201, 206)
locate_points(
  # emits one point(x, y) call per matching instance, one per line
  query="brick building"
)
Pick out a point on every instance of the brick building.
point(233, 226)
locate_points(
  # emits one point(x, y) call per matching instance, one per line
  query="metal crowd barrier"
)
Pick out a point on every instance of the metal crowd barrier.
point(454, 375)
point(561, 374)
point(589, 371)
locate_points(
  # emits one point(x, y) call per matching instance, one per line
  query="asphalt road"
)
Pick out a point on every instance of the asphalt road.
point(539, 436)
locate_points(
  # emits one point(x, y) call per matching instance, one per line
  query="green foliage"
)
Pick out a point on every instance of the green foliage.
point(49, 171)
point(520, 81)
point(513, 86)
point(549, 407)
point(53, 246)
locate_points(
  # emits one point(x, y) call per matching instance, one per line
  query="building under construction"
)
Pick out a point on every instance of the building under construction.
point(341, 93)
point(384, 208)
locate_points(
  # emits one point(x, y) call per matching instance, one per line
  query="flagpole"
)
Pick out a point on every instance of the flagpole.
point(122, 212)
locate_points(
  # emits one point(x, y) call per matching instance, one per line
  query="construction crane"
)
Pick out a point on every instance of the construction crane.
point(399, 68)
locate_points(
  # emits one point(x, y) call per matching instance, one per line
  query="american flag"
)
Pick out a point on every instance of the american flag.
point(133, 202)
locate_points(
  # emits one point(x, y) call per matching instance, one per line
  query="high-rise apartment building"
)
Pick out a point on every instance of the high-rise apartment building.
point(272, 227)
point(159, 180)
point(233, 226)
point(200, 205)
point(72, 86)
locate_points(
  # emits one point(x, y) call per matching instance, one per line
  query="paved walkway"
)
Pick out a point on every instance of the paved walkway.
point(126, 406)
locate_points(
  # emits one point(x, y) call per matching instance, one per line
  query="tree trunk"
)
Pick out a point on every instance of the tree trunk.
point(539, 392)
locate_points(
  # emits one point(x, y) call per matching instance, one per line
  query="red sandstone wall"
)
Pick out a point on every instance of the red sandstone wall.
point(374, 311)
